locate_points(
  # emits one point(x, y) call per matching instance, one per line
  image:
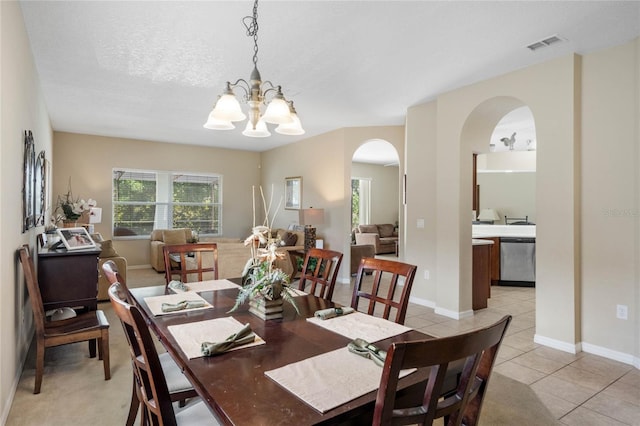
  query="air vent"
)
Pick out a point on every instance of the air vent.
point(545, 42)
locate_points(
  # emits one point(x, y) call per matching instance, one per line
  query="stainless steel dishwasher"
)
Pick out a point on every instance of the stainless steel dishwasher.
point(518, 261)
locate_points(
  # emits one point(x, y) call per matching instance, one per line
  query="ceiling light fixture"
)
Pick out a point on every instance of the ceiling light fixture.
point(279, 110)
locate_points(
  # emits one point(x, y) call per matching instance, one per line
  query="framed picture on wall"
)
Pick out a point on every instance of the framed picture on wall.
point(293, 193)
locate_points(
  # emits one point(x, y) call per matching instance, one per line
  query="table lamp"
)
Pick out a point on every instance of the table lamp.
point(310, 217)
point(95, 216)
point(488, 216)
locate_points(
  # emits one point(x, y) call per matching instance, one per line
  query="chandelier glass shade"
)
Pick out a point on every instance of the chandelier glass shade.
point(256, 94)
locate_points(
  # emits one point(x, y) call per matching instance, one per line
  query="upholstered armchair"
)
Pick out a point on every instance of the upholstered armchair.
point(383, 237)
point(160, 237)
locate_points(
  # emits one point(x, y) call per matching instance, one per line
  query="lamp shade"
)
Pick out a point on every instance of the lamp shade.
point(215, 124)
point(228, 109)
point(488, 215)
point(293, 128)
point(95, 215)
point(260, 131)
point(277, 112)
point(311, 216)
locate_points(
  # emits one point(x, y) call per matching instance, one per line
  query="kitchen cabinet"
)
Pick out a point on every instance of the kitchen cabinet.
point(481, 273)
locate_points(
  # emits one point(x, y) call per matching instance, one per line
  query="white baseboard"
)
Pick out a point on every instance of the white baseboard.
point(557, 344)
point(611, 354)
point(454, 314)
point(588, 348)
point(422, 302)
point(441, 311)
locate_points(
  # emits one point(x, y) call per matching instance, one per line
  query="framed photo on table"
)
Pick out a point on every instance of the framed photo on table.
point(293, 193)
point(76, 238)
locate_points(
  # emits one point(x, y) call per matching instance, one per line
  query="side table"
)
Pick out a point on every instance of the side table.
point(68, 278)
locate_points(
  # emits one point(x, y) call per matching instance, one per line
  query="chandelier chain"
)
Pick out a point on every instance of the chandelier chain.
point(251, 24)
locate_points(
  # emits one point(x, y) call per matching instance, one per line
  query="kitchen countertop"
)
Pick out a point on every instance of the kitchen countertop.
point(520, 231)
point(479, 242)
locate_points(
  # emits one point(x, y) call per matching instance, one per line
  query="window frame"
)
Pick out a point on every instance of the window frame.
point(169, 205)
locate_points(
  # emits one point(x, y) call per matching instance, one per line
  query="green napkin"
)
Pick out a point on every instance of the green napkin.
point(242, 337)
point(367, 350)
point(185, 304)
point(325, 314)
point(178, 285)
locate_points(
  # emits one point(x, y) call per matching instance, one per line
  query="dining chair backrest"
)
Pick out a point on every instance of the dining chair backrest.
point(33, 288)
point(118, 289)
point(477, 348)
point(381, 276)
point(150, 378)
point(120, 304)
point(111, 273)
point(120, 299)
point(190, 261)
point(320, 269)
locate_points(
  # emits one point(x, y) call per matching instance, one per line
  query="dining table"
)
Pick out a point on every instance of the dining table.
point(238, 385)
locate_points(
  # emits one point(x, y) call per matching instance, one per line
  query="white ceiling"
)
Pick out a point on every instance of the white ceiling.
point(153, 69)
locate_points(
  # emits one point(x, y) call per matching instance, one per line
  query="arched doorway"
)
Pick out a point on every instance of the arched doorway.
point(500, 135)
point(375, 159)
point(375, 184)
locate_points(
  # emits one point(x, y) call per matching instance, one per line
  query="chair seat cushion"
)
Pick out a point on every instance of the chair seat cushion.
point(176, 381)
point(93, 320)
point(196, 414)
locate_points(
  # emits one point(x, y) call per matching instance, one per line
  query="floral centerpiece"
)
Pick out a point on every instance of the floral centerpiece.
point(263, 284)
point(70, 209)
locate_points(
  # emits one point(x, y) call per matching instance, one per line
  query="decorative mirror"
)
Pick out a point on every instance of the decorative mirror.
point(28, 182)
point(40, 189)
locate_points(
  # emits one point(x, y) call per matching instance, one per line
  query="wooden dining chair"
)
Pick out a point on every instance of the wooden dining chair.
point(477, 348)
point(189, 260)
point(150, 375)
point(85, 326)
point(180, 389)
point(381, 275)
point(320, 270)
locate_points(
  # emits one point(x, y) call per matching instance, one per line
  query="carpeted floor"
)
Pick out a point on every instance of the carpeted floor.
point(74, 392)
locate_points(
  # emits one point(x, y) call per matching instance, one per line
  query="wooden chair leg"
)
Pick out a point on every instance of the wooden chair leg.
point(92, 348)
point(104, 344)
point(39, 366)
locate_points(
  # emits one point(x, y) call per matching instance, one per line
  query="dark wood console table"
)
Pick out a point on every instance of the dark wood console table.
point(68, 278)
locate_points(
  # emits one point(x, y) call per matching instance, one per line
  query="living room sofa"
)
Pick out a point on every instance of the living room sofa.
point(232, 253)
point(382, 236)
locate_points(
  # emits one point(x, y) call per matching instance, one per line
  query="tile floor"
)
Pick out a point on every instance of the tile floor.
point(581, 389)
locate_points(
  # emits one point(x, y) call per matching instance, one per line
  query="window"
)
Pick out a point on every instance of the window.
point(360, 201)
point(147, 200)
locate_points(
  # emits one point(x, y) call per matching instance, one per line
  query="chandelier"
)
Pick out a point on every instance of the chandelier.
point(278, 110)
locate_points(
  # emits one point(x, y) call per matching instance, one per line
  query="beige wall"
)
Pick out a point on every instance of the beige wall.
point(324, 163)
point(587, 254)
point(422, 171)
point(384, 190)
point(22, 108)
point(90, 174)
point(610, 188)
point(510, 194)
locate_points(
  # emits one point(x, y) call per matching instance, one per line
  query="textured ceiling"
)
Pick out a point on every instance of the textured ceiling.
point(153, 69)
